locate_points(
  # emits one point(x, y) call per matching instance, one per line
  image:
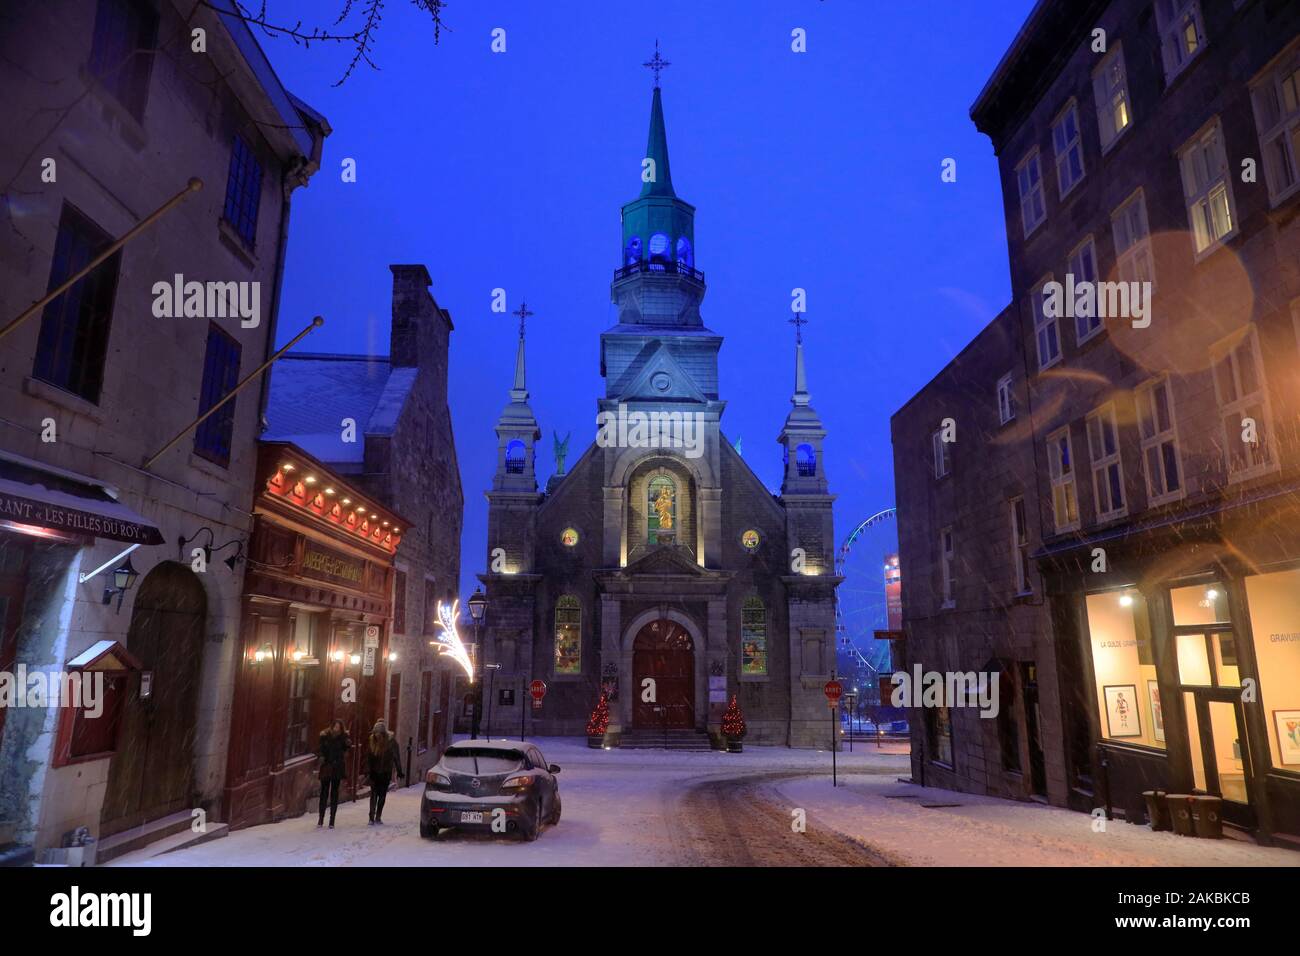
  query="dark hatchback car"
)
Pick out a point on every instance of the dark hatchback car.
point(502, 786)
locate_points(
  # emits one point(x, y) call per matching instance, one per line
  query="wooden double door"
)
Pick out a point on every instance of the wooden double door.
point(664, 653)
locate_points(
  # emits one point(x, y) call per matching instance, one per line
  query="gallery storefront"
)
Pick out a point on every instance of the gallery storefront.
point(315, 633)
point(1189, 648)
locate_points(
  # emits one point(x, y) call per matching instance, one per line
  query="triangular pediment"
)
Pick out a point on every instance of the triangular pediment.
point(665, 559)
point(662, 378)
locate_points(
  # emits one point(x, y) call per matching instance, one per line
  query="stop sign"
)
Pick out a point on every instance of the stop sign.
point(833, 690)
point(538, 690)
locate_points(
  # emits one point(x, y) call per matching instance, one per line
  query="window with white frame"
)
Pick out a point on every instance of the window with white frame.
point(1133, 240)
point(1082, 265)
point(1060, 467)
point(1068, 146)
point(1160, 457)
point(942, 454)
point(1207, 188)
point(1276, 96)
point(1029, 177)
point(1020, 545)
point(1182, 34)
point(1047, 329)
point(1006, 399)
point(1243, 406)
point(1107, 470)
point(946, 555)
point(1110, 90)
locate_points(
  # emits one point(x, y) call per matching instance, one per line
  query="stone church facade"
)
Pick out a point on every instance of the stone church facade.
point(658, 568)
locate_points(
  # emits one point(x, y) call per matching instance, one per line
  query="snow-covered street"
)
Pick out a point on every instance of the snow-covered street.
point(654, 808)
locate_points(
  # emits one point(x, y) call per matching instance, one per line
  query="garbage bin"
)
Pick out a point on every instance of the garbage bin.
point(1207, 816)
point(1180, 813)
point(1157, 809)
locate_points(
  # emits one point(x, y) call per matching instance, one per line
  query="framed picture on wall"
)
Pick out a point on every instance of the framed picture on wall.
point(1287, 723)
point(1157, 712)
point(1122, 710)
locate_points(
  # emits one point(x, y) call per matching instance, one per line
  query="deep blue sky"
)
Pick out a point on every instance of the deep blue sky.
point(818, 170)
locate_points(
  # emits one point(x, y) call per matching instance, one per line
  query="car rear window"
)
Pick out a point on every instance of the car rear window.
point(482, 760)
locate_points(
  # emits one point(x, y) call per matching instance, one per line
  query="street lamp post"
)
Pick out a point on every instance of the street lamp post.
point(493, 668)
point(477, 610)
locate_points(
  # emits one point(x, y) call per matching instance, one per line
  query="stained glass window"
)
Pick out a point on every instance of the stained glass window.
point(753, 638)
point(661, 508)
point(568, 635)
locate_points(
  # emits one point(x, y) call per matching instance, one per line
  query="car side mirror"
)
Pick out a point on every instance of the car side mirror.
point(552, 769)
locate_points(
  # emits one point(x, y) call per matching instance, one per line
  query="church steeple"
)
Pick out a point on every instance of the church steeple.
point(803, 432)
point(517, 429)
point(656, 153)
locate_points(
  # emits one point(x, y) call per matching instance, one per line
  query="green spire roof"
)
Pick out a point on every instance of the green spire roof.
point(657, 150)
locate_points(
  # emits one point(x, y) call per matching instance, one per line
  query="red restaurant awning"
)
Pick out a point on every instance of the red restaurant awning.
point(39, 496)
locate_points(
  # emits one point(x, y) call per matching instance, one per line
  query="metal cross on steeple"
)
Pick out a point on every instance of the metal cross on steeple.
point(656, 64)
point(523, 314)
point(798, 322)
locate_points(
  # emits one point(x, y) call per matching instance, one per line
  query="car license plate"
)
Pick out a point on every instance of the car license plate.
point(468, 816)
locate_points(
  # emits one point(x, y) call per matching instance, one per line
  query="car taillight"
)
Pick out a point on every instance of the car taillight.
point(517, 782)
point(435, 779)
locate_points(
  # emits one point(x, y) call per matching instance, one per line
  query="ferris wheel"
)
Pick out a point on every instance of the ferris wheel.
point(860, 603)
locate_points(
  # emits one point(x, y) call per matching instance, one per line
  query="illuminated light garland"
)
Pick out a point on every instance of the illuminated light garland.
point(449, 640)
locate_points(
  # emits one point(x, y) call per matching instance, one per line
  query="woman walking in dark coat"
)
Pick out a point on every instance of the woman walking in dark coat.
point(382, 758)
point(334, 746)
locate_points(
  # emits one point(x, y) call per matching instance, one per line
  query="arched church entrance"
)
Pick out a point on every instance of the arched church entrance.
point(152, 773)
point(663, 650)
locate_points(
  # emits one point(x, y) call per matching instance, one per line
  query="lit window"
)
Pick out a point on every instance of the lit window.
point(1276, 97)
point(1069, 150)
point(661, 509)
point(1182, 34)
point(1243, 406)
point(1110, 90)
point(1207, 188)
point(1159, 442)
point(1133, 241)
point(1047, 329)
point(1006, 399)
point(1274, 602)
point(659, 246)
point(1082, 265)
point(1124, 669)
point(938, 725)
point(568, 635)
point(946, 568)
point(1107, 469)
point(685, 255)
point(1029, 176)
point(753, 638)
point(1060, 466)
point(1020, 545)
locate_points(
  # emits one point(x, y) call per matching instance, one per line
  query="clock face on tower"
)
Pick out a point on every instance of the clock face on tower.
point(659, 244)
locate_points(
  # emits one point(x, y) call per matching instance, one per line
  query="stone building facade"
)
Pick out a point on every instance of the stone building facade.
point(1156, 143)
point(383, 422)
point(658, 555)
point(94, 384)
point(972, 598)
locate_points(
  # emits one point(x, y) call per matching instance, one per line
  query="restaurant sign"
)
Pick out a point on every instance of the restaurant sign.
point(332, 566)
point(45, 514)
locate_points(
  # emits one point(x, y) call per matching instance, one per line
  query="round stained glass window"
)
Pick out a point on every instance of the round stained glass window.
point(750, 540)
point(569, 537)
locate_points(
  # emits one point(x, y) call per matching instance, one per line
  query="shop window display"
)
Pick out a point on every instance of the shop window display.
point(1128, 692)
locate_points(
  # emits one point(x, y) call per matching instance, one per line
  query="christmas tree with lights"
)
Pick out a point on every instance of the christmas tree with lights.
point(599, 721)
point(733, 721)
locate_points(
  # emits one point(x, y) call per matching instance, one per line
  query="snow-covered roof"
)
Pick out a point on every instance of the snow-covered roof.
point(312, 393)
